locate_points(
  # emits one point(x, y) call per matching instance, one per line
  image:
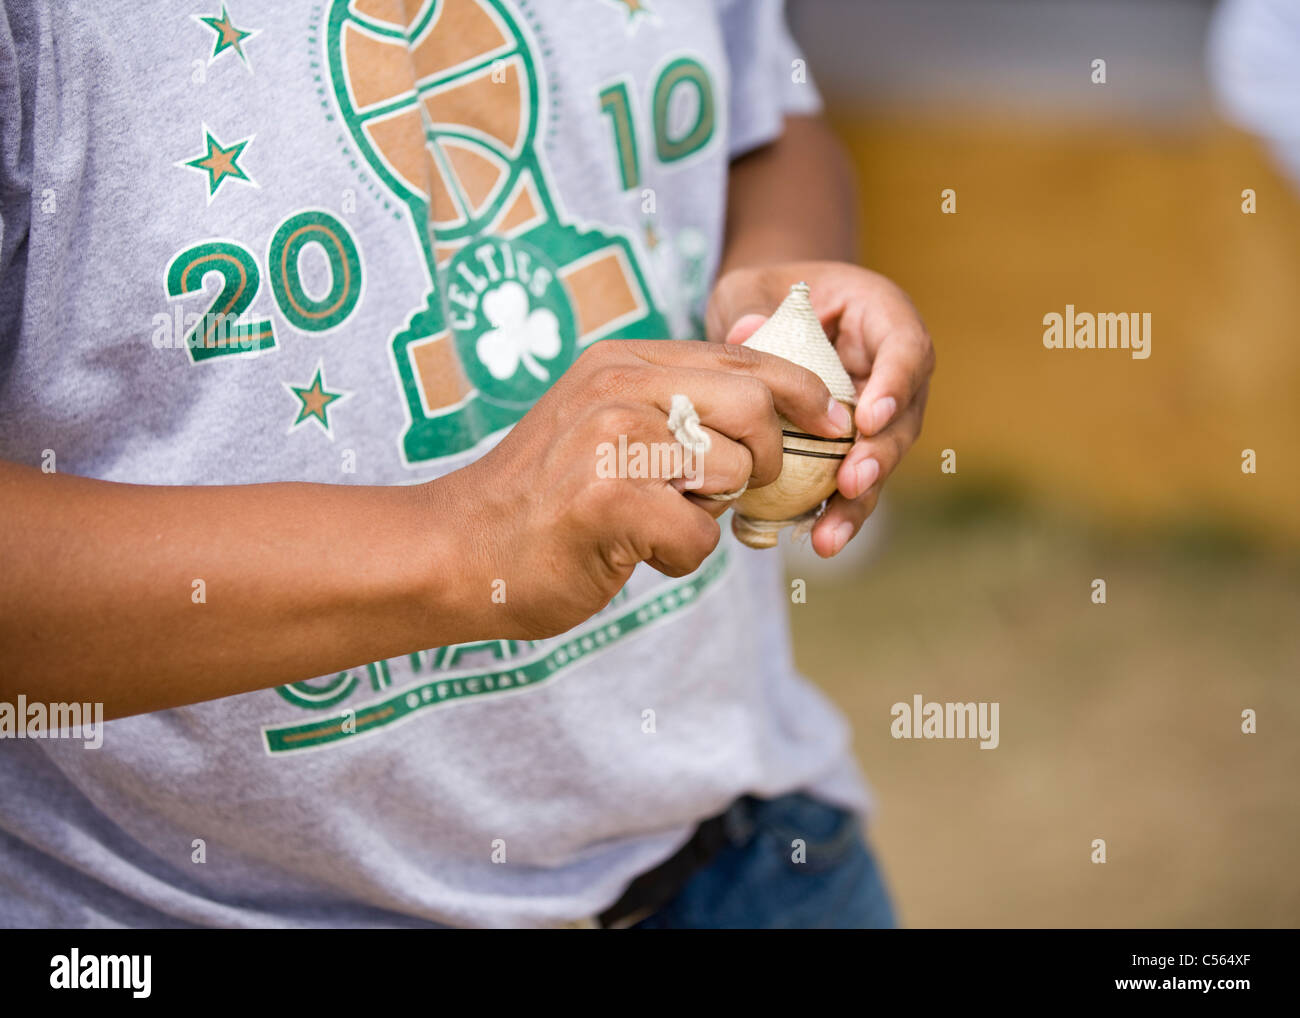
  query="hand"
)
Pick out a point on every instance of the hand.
point(538, 514)
point(884, 347)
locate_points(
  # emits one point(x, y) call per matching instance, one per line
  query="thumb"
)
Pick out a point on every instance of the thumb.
point(745, 327)
point(739, 304)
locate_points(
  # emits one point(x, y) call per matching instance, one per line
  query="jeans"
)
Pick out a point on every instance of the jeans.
point(757, 882)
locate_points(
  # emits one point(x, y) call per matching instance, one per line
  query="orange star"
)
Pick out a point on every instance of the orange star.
point(315, 400)
point(220, 162)
point(228, 36)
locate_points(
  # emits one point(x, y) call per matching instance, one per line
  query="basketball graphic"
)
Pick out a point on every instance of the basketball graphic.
point(444, 99)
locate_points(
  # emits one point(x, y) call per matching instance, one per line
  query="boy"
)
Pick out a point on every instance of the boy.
point(351, 247)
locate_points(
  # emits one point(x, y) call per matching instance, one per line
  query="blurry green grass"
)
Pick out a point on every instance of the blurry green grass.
point(1118, 721)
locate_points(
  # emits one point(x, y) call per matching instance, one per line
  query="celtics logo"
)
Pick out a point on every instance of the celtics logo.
point(512, 320)
point(446, 106)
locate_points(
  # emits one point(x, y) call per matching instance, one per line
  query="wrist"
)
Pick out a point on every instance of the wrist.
point(440, 571)
point(449, 567)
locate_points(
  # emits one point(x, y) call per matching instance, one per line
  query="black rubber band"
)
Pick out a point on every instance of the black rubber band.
point(815, 455)
point(814, 438)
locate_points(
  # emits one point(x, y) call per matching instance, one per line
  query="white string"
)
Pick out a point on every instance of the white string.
point(684, 423)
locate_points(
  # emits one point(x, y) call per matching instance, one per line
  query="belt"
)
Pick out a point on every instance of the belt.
point(654, 889)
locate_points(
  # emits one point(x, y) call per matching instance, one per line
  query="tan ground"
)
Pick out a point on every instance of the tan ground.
point(1119, 721)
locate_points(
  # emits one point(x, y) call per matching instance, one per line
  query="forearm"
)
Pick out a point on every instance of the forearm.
point(791, 201)
point(146, 597)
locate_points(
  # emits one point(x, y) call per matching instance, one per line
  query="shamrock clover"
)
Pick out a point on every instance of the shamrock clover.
point(518, 336)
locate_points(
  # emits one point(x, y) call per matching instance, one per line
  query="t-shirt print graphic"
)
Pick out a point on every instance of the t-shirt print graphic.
point(446, 101)
point(444, 107)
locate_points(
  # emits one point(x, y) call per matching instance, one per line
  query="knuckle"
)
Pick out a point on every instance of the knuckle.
point(736, 357)
point(596, 355)
point(613, 379)
point(598, 490)
point(611, 419)
point(755, 399)
point(755, 393)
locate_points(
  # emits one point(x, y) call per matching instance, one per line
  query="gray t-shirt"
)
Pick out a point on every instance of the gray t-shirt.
point(415, 216)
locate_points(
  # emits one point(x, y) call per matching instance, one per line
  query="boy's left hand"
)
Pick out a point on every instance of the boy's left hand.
point(885, 349)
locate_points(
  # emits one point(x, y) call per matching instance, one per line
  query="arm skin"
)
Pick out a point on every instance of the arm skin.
point(301, 579)
point(790, 214)
point(791, 201)
point(97, 578)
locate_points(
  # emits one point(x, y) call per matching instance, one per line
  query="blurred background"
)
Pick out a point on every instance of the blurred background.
point(1119, 721)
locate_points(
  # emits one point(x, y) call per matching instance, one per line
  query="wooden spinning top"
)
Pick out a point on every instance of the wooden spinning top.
point(809, 463)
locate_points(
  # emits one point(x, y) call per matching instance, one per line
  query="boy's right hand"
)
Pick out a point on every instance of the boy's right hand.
point(539, 516)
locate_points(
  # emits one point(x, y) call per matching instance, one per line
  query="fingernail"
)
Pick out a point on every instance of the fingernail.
point(839, 415)
point(881, 412)
point(840, 535)
point(865, 474)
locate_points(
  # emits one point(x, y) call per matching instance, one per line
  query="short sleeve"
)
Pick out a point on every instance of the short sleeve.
point(17, 52)
point(769, 77)
point(1254, 62)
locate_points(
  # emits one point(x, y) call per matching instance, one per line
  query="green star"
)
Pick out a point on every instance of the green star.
point(228, 36)
point(219, 162)
point(314, 401)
